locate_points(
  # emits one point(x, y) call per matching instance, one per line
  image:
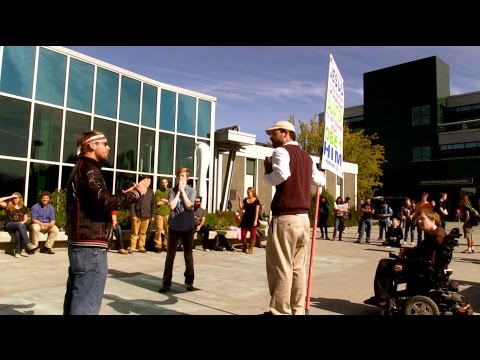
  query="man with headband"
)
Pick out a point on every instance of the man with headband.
point(89, 224)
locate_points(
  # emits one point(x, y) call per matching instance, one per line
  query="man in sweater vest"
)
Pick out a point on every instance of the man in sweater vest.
point(292, 172)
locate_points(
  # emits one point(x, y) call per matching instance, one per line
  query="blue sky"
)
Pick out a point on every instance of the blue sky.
point(258, 85)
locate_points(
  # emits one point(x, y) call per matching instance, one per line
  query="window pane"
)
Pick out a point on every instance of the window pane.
point(149, 105)
point(124, 181)
point(426, 153)
point(127, 147)
point(186, 114)
point(147, 150)
point(42, 177)
point(66, 170)
point(167, 110)
point(75, 124)
point(52, 67)
point(46, 134)
point(185, 149)
point(165, 154)
point(130, 100)
point(80, 85)
point(204, 118)
point(108, 127)
point(250, 167)
point(14, 122)
point(106, 93)
point(12, 176)
point(17, 70)
point(108, 178)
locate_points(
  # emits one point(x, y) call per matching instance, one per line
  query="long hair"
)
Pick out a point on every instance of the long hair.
point(466, 201)
point(11, 205)
point(253, 191)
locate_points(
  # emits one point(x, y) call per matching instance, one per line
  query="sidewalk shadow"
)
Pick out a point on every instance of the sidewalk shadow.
point(467, 260)
point(471, 293)
point(10, 309)
point(343, 307)
point(141, 306)
point(139, 279)
point(146, 281)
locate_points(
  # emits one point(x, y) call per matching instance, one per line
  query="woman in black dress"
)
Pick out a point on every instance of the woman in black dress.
point(249, 210)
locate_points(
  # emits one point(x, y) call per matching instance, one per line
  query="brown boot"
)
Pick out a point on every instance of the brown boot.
point(244, 245)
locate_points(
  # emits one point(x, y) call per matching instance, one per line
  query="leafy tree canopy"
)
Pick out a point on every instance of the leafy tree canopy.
point(358, 148)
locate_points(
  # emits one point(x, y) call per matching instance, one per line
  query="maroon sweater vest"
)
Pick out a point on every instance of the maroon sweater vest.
point(293, 196)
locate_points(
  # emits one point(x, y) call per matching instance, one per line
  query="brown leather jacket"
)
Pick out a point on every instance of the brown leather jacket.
point(89, 205)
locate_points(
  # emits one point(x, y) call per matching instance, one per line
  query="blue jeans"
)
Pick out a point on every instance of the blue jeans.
point(21, 236)
point(365, 226)
point(87, 276)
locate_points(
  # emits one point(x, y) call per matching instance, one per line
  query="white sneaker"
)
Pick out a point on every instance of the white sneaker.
point(17, 255)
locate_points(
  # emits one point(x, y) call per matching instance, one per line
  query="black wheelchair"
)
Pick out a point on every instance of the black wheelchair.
point(428, 289)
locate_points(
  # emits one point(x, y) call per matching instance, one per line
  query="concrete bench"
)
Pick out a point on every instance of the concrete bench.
point(7, 240)
point(7, 237)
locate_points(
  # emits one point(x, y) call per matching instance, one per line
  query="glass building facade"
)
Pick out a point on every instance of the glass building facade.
point(50, 95)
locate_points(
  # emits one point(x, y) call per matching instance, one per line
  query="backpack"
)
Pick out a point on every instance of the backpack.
point(220, 243)
point(474, 219)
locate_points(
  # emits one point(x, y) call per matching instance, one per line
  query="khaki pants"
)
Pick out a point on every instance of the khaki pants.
point(286, 256)
point(35, 231)
point(139, 232)
point(161, 224)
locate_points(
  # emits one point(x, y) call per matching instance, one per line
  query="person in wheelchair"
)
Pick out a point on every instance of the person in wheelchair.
point(390, 269)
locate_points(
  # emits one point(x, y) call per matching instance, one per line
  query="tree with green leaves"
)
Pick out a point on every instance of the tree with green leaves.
point(358, 148)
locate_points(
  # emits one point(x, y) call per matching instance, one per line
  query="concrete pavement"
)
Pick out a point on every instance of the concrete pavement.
point(227, 283)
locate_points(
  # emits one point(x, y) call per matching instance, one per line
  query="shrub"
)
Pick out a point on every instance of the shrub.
point(123, 218)
point(58, 199)
point(220, 220)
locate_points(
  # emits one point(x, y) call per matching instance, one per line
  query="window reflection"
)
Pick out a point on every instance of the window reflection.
point(47, 128)
point(127, 147)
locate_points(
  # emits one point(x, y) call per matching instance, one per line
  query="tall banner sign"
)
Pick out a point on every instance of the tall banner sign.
point(332, 156)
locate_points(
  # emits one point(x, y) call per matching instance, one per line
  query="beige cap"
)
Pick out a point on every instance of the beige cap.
point(286, 125)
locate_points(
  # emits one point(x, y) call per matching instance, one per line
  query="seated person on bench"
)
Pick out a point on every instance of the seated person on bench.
point(387, 269)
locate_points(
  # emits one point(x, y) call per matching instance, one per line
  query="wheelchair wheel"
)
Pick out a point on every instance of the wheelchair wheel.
point(421, 305)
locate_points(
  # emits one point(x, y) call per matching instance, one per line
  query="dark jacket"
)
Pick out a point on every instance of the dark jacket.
point(145, 206)
point(89, 205)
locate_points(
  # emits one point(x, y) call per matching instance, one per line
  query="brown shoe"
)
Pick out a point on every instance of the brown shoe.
point(142, 250)
point(46, 250)
point(122, 251)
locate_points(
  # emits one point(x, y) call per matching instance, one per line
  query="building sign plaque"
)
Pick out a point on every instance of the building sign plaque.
point(463, 181)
